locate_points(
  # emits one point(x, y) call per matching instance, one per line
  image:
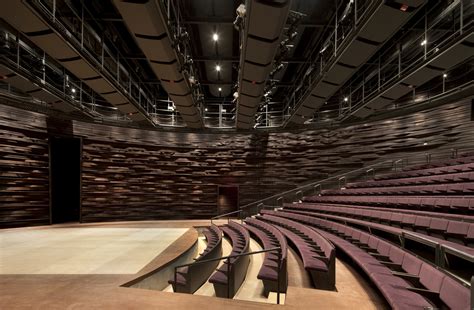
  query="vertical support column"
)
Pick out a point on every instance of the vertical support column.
point(399, 59)
point(426, 35)
point(82, 25)
point(18, 50)
point(54, 11)
point(461, 16)
point(378, 75)
point(220, 115)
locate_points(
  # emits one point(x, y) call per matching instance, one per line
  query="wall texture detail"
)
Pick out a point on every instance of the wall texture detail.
point(24, 169)
point(132, 174)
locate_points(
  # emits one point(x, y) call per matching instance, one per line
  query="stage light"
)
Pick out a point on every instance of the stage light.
point(346, 99)
point(218, 68)
point(220, 89)
point(424, 42)
point(73, 90)
point(445, 75)
point(215, 37)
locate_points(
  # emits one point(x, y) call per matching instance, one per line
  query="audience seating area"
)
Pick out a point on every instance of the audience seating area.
point(270, 237)
point(405, 281)
point(368, 223)
point(189, 279)
point(229, 277)
point(318, 255)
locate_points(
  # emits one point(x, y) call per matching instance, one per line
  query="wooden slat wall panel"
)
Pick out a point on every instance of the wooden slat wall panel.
point(131, 174)
point(24, 170)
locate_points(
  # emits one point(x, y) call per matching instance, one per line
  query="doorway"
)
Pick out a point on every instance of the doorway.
point(65, 179)
point(227, 199)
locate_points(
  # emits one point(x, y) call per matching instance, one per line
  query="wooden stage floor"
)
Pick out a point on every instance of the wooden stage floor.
point(83, 266)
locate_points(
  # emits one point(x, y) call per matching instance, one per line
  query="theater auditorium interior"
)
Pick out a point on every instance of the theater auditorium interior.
point(246, 154)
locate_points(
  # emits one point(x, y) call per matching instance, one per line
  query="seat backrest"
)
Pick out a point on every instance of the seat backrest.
point(431, 278)
point(411, 264)
point(458, 228)
point(454, 294)
point(396, 255)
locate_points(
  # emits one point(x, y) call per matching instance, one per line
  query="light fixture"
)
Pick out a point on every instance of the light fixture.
point(218, 68)
point(73, 90)
point(445, 75)
point(424, 42)
point(215, 37)
point(205, 109)
point(220, 89)
point(346, 99)
point(426, 143)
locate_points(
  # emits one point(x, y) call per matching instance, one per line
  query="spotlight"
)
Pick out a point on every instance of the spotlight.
point(220, 89)
point(346, 99)
point(424, 42)
point(73, 90)
point(445, 75)
point(205, 109)
point(215, 37)
point(218, 68)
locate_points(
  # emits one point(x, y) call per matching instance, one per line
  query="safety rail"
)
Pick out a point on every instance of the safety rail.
point(315, 188)
point(340, 31)
point(226, 215)
point(227, 258)
point(440, 250)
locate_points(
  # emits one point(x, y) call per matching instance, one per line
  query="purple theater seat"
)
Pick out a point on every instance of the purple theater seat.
point(438, 227)
point(457, 231)
point(422, 223)
point(454, 294)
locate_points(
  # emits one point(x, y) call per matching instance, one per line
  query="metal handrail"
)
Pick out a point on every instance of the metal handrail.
point(277, 249)
point(225, 214)
point(312, 184)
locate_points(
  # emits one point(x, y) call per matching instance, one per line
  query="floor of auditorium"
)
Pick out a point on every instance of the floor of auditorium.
point(84, 266)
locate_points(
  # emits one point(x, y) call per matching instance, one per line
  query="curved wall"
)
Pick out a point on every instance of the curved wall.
point(132, 174)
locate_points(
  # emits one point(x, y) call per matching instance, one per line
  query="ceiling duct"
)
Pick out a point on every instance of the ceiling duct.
point(262, 29)
point(147, 23)
point(22, 18)
point(364, 43)
point(452, 56)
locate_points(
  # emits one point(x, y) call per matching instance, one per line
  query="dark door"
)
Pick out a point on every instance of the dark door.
point(65, 163)
point(228, 199)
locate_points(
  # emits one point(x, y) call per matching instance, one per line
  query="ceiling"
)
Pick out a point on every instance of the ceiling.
point(207, 48)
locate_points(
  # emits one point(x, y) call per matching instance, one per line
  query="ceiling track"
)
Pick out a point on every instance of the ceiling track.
point(147, 22)
point(261, 35)
point(362, 42)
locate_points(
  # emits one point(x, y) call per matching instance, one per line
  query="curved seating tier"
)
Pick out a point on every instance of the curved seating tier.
point(229, 277)
point(189, 279)
point(405, 281)
point(456, 177)
point(317, 253)
point(465, 188)
point(461, 232)
point(270, 237)
point(462, 205)
point(463, 167)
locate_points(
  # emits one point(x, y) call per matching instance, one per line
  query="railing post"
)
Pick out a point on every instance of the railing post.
point(278, 275)
point(175, 278)
point(228, 277)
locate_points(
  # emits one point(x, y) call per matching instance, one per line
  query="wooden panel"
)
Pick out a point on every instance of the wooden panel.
point(24, 170)
point(132, 174)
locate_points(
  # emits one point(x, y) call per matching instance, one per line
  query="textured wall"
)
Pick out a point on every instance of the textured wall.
point(135, 174)
point(24, 169)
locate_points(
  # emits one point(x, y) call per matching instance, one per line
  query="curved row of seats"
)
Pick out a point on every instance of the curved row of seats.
point(189, 279)
point(318, 255)
point(440, 204)
point(229, 277)
point(270, 237)
point(464, 167)
point(463, 158)
point(456, 177)
point(405, 281)
point(461, 232)
point(466, 188)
